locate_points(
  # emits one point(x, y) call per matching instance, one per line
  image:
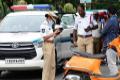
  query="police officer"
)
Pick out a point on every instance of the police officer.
point(83, 27)
point(46, 29)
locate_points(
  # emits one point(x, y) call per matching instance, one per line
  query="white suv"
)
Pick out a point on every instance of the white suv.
point(17, 31)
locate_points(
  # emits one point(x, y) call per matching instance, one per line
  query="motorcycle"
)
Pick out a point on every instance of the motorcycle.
point(85, 66)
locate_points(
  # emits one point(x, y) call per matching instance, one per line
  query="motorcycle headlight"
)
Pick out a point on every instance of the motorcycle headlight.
point(72, 77)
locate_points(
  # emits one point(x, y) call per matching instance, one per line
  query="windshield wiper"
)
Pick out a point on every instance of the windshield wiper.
point(14, 31)
point(17, 31)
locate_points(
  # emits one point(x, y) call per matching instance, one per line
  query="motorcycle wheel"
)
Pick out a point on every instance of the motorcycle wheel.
point(82, 75)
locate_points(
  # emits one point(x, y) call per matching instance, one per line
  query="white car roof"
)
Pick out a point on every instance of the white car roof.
point(67, 14)
point(89, 12)
point(28, 13)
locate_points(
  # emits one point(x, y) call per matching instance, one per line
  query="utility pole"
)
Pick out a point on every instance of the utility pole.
point(85, 4)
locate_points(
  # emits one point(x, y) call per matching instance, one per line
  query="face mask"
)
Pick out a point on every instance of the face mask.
point(50, 22)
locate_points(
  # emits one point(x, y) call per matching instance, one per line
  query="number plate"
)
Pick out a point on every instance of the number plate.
point(15, 61)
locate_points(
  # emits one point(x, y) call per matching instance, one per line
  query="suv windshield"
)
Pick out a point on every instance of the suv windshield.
point(67, 20)
point(21, 23)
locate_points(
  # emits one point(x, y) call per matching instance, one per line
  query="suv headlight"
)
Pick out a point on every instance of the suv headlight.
point(38, 42)
point(72, 77)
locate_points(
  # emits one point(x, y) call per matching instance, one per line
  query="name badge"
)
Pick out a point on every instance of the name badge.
point(43, 30)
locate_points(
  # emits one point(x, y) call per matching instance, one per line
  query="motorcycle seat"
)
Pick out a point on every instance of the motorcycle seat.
point(89, 55)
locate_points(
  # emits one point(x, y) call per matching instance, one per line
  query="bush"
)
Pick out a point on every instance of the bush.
point(22, 2)
point(69, 8)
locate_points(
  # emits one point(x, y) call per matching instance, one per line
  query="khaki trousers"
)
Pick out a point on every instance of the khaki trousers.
point(85, 44)
point(49, 61)
point(97, 45)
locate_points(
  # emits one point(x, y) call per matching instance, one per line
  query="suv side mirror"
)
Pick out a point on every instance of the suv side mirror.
point(71, 37)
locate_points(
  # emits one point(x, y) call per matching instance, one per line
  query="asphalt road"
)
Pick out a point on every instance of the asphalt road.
point(25, 75)
point(34, 75)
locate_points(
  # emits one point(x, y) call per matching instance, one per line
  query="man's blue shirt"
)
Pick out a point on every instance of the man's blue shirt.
point(110, 30)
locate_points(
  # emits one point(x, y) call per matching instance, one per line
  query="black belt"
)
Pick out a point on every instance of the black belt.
point(84, 36)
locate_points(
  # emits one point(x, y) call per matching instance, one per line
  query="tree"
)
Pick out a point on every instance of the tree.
point(9, 3)
point(3, 11)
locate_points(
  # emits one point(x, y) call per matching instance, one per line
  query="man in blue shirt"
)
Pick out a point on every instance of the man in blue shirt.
point(111, 29)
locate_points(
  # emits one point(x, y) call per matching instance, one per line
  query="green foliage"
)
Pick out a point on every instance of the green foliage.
point(118, 8)
point(53, 8)
point(105, 5)
point(29, 1)
point(41, 1)
point(69, 8)
point(1, 9)
point(21, 2)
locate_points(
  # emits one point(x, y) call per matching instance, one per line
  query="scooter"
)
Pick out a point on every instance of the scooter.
point(85, 66)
